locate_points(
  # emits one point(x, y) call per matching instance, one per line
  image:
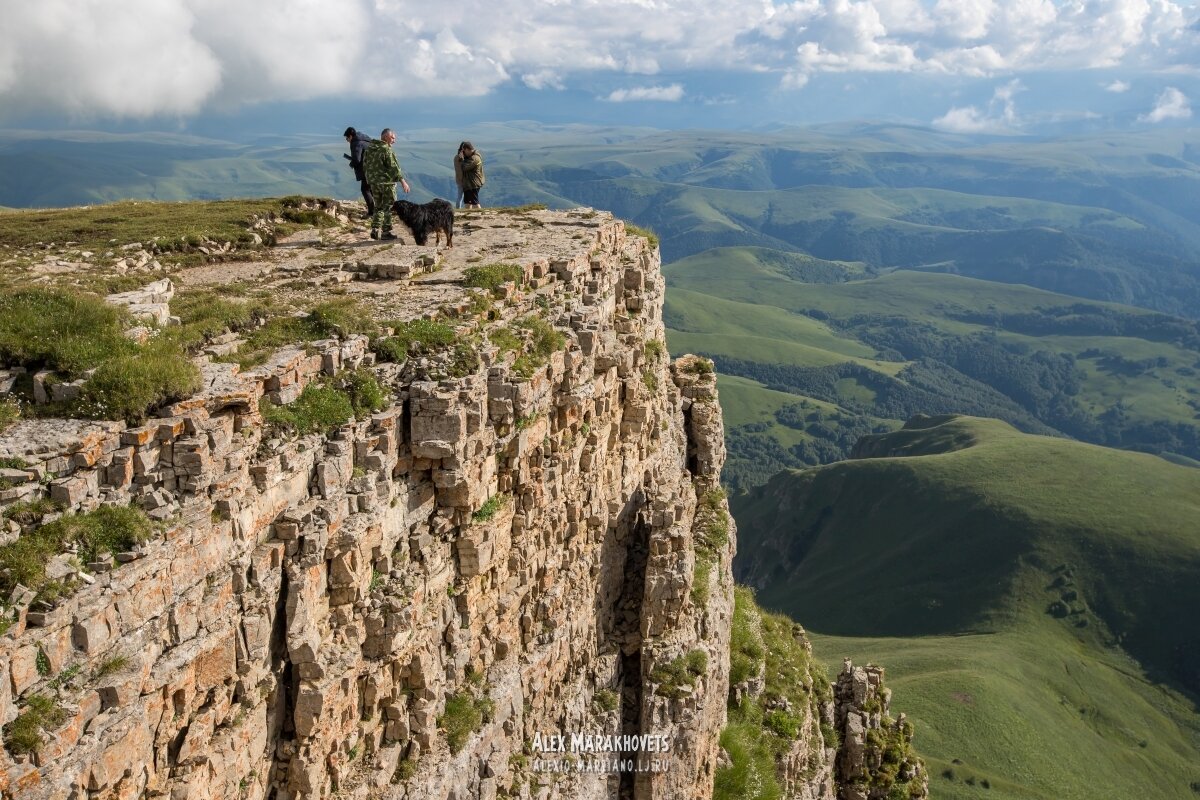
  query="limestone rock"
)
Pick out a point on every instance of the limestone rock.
point(392, 608)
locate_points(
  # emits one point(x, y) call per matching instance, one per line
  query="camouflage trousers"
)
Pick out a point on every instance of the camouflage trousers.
point(385, 195)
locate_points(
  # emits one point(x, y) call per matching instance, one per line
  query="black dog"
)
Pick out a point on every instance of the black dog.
point(436, 216)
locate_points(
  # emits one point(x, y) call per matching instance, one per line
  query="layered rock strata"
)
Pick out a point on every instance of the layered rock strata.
point(401, 608)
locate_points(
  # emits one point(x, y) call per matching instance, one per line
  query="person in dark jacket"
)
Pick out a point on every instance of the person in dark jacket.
point(358, 145)
point(458, 175)
point(472, 173)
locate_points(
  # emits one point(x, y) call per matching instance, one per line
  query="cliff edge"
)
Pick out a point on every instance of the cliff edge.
point(516, 534)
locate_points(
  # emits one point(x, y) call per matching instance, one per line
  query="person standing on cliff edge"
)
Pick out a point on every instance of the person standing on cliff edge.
point(458, 176)
point(383, 173)
point(471, 161)
point(358, 145)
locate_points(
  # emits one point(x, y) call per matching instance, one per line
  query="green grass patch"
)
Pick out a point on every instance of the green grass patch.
point(701, 577)
point(129, 386)
point(405, 770)
point(747, 650)
point(646, 233)
point(505, 339)
point(464, 358)
point(41, 714)
point(544, 340)
point(204, 314)
point(341, 317)
point(319, 409)
point(110, 665)
point(10, 412)
point(675, 678)
point(28, 512)
point(492, 276)
point(527, 207)
point(363, 390)
point(71, 333)
point(490, 508)
point(110, 529)
point(413, 337)
point(465, 713)
point(61, 331)
point(606, 700)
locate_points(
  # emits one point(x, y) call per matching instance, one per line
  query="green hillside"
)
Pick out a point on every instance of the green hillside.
point(1032, 598)
point(884, 347)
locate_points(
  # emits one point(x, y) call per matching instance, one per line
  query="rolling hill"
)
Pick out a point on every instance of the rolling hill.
point(861, 352)
point(1025, 592)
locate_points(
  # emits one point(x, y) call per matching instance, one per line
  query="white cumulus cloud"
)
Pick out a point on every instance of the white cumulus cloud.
point(670, 94)
point(1000, 116)
point(1170, 104)
point(1117, 87)
point(543, 79)
point(137, 58)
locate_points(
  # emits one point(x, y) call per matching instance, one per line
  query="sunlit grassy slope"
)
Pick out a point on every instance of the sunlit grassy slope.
point(753, 312)
point(1044, 591)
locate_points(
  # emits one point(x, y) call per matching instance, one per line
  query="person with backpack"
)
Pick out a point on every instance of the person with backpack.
point(458, 176)
point(383, 173)
point(472, 173)
point(358, 144)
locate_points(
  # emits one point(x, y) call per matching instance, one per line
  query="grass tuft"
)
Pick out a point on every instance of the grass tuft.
point(490, 508)
point(111, 665)
point(606, 700)
point(363, 390)
point(464, 715)
point(130, 386)
point(10, 412)
point(492, 276)
point(675, 678)
point(319, 408)
point(413, 337)
point(24, 734)
point(646, 233)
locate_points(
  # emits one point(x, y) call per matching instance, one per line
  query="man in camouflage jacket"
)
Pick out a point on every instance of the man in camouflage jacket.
point(383, 172)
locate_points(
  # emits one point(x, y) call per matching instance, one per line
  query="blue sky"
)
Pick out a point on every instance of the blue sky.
point(981, 66)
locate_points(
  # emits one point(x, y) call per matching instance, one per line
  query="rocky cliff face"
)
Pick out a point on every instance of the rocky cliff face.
point(411, 605)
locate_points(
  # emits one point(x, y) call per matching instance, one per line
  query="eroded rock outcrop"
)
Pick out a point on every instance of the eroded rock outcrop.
point(875, 758)
point(401, 607)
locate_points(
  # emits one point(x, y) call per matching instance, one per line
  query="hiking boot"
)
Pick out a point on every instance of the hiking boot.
point(374, 234)
point(389, 236)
